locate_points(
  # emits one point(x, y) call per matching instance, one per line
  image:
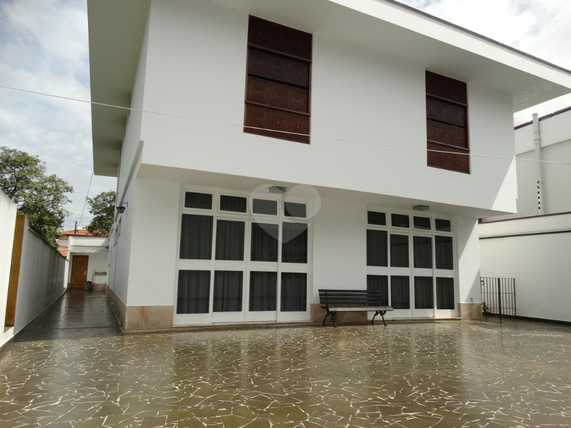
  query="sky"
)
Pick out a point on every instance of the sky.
point(44, 47)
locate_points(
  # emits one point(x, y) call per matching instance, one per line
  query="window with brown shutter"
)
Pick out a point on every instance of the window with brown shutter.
point(278, 81)
point(447, 122)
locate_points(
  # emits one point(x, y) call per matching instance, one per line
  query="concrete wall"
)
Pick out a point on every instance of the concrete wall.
point(42, 278)
point(8, 211)
point(537, 255)
point(368, 116)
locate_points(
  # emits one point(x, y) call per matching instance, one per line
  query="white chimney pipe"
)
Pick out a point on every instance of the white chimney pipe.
point(538, 165)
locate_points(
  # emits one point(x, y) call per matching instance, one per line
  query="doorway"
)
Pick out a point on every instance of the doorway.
point(79, 266)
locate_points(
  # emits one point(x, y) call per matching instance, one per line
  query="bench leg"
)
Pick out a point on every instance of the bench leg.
point(325, 318)
point(383, 317)
point(374, 316)
point(334, 316)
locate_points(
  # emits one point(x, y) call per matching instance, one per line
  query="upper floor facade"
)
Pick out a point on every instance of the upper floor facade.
point(368, 96)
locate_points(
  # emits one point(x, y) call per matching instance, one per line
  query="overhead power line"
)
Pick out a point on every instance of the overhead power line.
point(170, 115)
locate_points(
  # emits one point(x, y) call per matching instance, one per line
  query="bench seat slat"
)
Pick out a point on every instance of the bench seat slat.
point(362, 309)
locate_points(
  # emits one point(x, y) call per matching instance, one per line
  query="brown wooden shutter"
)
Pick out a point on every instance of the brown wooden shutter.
point(278, 81)
point(447, 123)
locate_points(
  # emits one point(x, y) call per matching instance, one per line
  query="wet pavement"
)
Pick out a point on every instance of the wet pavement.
point(453, 374)
point(76, 314)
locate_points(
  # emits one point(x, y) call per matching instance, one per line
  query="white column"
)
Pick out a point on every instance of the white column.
point(468, 250)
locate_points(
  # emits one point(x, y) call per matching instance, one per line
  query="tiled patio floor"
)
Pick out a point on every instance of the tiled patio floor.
point(406, 375)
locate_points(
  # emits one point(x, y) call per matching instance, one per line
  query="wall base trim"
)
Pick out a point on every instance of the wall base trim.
point(140, 318)
point(471, 311)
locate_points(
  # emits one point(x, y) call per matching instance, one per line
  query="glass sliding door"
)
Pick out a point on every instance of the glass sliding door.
point(412, 257)
point(242, 258)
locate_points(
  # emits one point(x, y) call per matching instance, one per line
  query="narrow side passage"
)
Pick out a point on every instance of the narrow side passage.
point(77, 314)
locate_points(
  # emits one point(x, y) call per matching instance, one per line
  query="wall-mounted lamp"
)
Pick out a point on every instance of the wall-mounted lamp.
point(121, 209)
point(277, 189)
point(421, 208)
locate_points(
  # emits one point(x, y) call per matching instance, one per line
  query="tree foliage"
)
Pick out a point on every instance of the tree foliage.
point(102, 208)
point(42, 197)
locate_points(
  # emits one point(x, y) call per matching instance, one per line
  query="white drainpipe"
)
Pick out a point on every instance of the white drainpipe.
point(539, 165)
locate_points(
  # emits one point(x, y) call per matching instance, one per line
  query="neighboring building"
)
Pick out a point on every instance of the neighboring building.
point(544, 185)
point(534, 247)
point(275, 148)
point(88, 258)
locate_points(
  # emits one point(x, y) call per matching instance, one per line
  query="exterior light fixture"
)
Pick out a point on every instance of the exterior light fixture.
point(277, 189)
point(421, 208)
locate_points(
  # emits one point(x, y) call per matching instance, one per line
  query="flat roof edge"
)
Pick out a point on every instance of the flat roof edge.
point(476, 34)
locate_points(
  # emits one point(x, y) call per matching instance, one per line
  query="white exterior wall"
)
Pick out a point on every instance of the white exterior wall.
point(154, 242)
point(539, 263)
point(368, 116)
point(41, 282)
point(8, 212)
point(338, 245)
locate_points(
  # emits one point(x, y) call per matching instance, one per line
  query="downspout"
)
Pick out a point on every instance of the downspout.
point(538, 165)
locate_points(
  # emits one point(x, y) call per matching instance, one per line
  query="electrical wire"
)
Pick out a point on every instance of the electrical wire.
point(279, 131)
point(86, 199)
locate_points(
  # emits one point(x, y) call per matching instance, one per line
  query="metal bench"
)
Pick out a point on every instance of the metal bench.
point(334, 301)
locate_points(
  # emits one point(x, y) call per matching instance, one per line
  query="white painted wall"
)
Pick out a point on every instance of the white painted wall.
point(8, 212)
point(41, 282)
point(154, 242)
point(539, 263)
point(368, 116)
point(556, 179)
point(556, 168)
point(468, 250)
point(338, 247)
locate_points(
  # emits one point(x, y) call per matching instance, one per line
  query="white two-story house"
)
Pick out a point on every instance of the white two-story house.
point(274, 148)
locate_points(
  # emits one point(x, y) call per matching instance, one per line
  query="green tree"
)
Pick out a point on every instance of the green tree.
point(102, 208)
point(42, 197)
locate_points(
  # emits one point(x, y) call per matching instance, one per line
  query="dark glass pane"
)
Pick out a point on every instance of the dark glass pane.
point(399, 220)
point(423, 294)
point(399, 251)
point(198, 200)
point(263, 291)
point(293, 209)
point(443, 225)
point(264, 242)
point(233, 203)
point(380, 286)
point(294, 292)
point(227, 291)
point(196, 237)
point(294, 245)
point(376, 248)
point(422, 223)
point(264, 206)
point(379, 219)
point(445, 293)
point(193, 296)
point(400, 292)
point(444, 253)
point(422, 252)
point(229, 240)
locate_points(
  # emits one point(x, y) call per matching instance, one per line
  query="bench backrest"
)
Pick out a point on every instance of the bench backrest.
point(357, 298)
